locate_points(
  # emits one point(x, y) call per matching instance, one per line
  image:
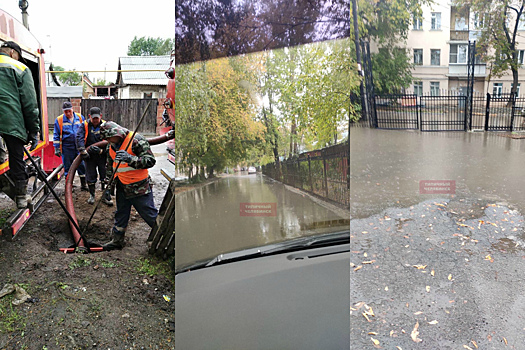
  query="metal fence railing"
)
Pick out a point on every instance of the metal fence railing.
point(324, 173)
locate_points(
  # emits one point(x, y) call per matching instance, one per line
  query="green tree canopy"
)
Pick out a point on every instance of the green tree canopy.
point(70, 78)
point(147, 46)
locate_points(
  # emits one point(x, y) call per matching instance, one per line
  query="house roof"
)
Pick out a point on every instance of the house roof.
point(64, 91)
point(160, 63)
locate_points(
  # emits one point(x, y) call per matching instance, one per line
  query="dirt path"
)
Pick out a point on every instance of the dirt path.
point(108, 300)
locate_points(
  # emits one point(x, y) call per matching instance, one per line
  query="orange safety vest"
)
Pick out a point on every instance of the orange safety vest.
point(126, 174)
point(60, 119)
point(86, 128)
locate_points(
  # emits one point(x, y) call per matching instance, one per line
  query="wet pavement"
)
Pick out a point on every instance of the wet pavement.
point(436, 271)
point(209, 220)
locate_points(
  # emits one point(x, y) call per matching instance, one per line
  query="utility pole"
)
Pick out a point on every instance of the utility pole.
point(23, 5)
point(359, 66)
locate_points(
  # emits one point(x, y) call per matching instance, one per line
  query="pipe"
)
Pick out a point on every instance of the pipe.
point(68, 192)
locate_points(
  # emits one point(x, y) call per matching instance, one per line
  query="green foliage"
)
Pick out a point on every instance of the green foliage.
point(79, 261)
point(154, 267)
point(101, 82)
point(70, 79)
point(4, 215)
point(392, 70)
point(147, 46)
point(10, 319)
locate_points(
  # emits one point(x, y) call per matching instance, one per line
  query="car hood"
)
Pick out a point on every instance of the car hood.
point(296, 300)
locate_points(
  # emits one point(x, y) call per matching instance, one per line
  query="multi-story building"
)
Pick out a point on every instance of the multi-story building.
point(439, 45)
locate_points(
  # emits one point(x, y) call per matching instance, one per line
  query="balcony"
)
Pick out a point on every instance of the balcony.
point(459, 35)
point(460, 70)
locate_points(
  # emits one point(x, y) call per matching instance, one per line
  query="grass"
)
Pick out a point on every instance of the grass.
point(79, 261)
point(153, 267)
point(10, 319)
point(4, 215)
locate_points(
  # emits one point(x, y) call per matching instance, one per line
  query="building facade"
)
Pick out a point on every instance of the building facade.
point(438, 44)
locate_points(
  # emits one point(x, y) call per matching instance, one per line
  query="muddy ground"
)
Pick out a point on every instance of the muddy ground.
point(108, 300)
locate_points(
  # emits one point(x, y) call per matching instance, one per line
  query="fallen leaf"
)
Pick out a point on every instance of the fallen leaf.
point(432, 273)
point(358, 268)
point(467, 347)
point(365, 255)
point(352, 264)
point(364, 232)
point(368, 262)
point(473, 342)
point(391, 333)
point(386, 288)
point(364, 314)
point(450, 277)
point(428, 289)
point(488, 257)
point(418, 313)
point(372, 333)
point(433, 322)
point(420, 267)
point(359, 304)
point(398, 348)
point(415, 333)
point(375, 341)
point(505, 340)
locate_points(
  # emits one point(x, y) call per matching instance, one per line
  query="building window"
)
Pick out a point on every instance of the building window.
point(461, 24)
point(497, 89)
point(148, 95)
point(418, 57)
point(434, 88)
point(435, 57)
point(478, 21)
point(418, 88)
point(520, 56)
point(517, 89)
point(418, 23)
point(435, 21)
point(458, 53)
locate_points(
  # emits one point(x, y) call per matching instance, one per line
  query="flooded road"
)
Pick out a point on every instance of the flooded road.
point(387, 166)
point(209, 220)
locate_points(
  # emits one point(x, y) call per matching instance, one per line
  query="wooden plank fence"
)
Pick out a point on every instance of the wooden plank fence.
point(162, 236)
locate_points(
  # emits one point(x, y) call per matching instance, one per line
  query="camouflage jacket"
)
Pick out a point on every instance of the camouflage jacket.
point(145, 160)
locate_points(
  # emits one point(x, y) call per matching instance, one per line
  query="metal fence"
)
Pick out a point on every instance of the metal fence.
point(449, 112)
point(324, 173)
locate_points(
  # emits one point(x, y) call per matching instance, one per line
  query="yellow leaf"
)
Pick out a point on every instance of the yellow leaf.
point(488, 257)
point(375, 341)
point(433, 322)
point(415, 333)
point(466, 347)
point(364, 314)
point(358, 268)
point(418, 313)
point(398, 348)
point(372, 333)
point(420, 267)
point(368, 262)
point(505, 340)
point(450, 277)
point(365, 255)
point(428, 289)
point(432, 273)
point(473, 342)
point(391, 333)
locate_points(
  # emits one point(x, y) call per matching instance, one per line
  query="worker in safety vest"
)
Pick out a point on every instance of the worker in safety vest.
point(94, 157)
point(66, 127)
point(128, 158)
point(19, 115)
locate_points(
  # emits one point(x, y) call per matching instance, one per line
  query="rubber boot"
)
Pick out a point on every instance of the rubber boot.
point(91, 199)
point(106, 199)
point(83, 184)
point(21, 194)
point(116, 243)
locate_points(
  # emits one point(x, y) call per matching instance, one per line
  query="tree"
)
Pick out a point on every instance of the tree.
point(498, 22)
point(387, 23)
point(147, 46)
point(70, 78)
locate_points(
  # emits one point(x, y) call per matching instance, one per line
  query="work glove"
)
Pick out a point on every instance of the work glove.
point(33, 140)
point(170, 134)
point(84, 154)
point(124, 157)
point(95, 150)
point(58, 153)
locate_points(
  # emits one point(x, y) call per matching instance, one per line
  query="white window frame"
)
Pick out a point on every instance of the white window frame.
point(416, 61)
point(517, 90)
point(435, 21)
point(417, 23)
point(434, 88)
point(497, 89)
point(438, 57)
point(418, 88)
point(456, 55)
point(520, 56)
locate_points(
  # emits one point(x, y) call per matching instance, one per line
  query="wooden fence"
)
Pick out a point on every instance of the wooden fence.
point(125, 112)
point(162, 235)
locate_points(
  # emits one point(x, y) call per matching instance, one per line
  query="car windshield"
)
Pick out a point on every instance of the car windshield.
point(263, 103)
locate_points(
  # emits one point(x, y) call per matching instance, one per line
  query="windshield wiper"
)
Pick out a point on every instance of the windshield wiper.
point(275, 248)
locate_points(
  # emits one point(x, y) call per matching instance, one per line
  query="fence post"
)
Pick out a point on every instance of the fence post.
point(310, 175)
point(487, 112)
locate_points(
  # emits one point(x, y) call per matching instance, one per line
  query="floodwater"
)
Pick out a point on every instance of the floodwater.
point(209, 220)
point(386, 167)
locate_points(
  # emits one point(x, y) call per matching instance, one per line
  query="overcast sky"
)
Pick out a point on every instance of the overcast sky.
point(92, 35)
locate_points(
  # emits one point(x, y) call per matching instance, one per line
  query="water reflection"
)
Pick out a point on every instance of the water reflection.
point(208, 221)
